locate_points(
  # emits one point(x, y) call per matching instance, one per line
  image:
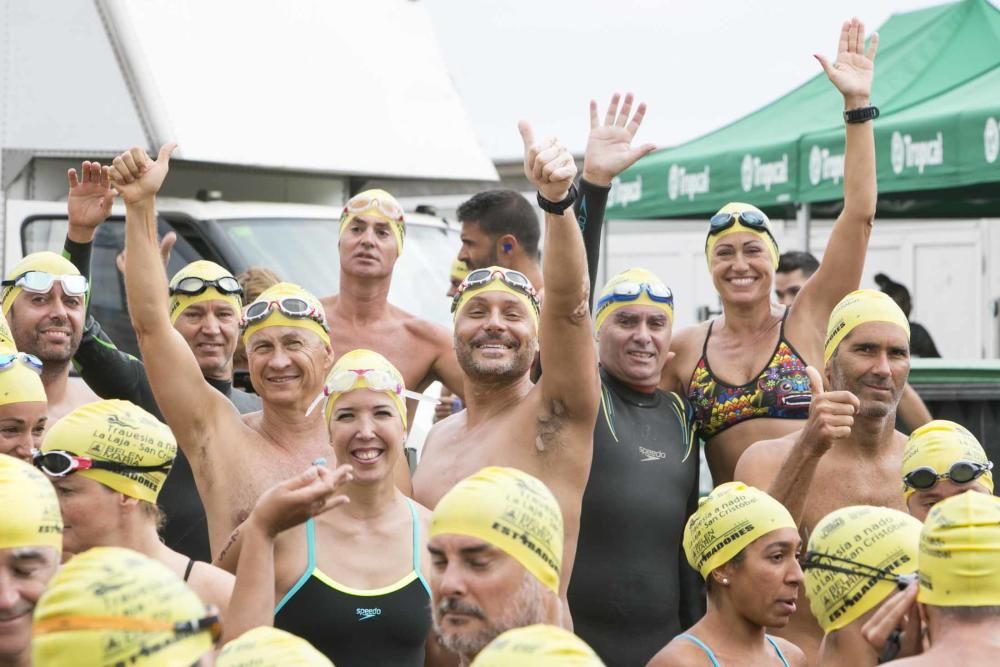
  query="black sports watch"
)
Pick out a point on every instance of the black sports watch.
point(557, 207)
point(862, 115)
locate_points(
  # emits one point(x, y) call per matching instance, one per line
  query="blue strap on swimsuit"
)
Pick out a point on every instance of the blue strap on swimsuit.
point(715, 662)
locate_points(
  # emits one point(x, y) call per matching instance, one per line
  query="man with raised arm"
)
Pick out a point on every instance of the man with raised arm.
point(545, 429)
point(234, 458)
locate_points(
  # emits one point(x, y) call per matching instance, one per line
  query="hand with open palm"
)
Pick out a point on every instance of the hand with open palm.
point(854, 68)
point(89, 200)
point(609, 146)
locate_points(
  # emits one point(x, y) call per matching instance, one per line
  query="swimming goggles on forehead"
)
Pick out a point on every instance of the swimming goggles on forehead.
point(752, 219)
point(630, 291)
point(361, 203)
point(40, 282)
point(481, 277)
point(960, 472)
point(814, 560)
point(193, 286)
point(289, 306)
point(209, 623)
point(29, 360)
point(58, 463)
point(375, 379)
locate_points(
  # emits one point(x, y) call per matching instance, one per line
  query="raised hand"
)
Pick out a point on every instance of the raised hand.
point(853, 71)
point(90, 199)
point(609, 146)
point(166, 247)
point(894, 629)
point(292, 502)
point(831, 414)
point(548, 164)
point(138, 178)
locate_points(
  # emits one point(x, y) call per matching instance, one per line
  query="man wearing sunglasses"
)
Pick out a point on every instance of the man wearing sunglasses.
point(545, 429)
point(289, 352)
point(848, 452)
point(44, 300)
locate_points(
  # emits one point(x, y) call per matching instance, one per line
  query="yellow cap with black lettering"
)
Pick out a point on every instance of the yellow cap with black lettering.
point(857, 308)
point(270, 647)
point(937, 445)
point(538, 646)
point(31, 517)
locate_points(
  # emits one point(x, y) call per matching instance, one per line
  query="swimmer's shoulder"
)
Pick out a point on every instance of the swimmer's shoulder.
point(420, 328)
point(686, 346)
point(680, 653)
point(795, 656)
point(761, 461)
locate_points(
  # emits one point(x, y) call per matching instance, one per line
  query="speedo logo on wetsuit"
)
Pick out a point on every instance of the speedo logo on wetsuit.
point(651, 454)
point(731, 537)
point(366, 614)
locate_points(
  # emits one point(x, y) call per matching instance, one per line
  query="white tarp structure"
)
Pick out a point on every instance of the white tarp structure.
point(349, 88)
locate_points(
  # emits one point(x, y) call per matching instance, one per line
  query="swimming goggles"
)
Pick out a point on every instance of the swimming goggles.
point(193, 286)
point(513, 279)
point(960, 472)
point(29, 360)
point(289, 306)
point(58, 463)
point(40, 282)
point(209, 623)
point(375, 379)
point(362, 202)
point(630, 291)
point(814, 560)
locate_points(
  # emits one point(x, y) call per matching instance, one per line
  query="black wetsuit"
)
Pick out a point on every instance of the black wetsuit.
point(632, 590)
point(112, 373)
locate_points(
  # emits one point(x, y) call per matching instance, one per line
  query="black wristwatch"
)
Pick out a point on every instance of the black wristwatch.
point(557, 207)
point(862, 115)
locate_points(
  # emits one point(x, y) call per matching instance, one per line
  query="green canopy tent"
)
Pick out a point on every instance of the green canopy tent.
point(937, 87)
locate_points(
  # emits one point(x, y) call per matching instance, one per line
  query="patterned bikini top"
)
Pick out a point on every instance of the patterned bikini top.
point(780, 391)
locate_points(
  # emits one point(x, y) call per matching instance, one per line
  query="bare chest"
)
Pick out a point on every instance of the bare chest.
point(408, 352)
point(842, 483)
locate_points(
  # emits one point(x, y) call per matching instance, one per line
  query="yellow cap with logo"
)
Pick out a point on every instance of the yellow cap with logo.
point(365, 370)
point(857, 308)
point(728, 520)
point(937, 445)
point(380, 205)
point(877, 543)
point(19, 382)
point(45, 261)
point(459, 269)
point(270, 647)
point(204, 270)
point(120, 432)
point(315, 321)
point(641, 279)
point(735, 208)
point(959, 558)
point(31, 517)
point(114, 606)
point(538, 646)
point(511, 510)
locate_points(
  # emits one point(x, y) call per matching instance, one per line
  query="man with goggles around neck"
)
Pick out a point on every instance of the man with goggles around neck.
point(644, 472)
point(942, 459)
point(848, 451)
point(545, 429)
point(204, 306)
point(289, 355)
point(744, 370)
point(44, 301)
point(372, 238)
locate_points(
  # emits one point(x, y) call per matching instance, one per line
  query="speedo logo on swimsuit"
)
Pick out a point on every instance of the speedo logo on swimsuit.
point(367, 614)
point(651, 455)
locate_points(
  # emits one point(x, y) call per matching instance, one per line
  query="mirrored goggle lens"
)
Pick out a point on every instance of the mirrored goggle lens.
point(479, 276)
point(41, 282)
point(228, 285)
point(517, 279)
point(720, 221)
point(294, 306)
point(628, 289)
point(257, 310)
point(660, 292)
point(8, 360)
point(752, 219)
point(376, 380)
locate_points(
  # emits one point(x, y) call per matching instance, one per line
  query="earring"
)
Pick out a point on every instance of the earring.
point(725, 581)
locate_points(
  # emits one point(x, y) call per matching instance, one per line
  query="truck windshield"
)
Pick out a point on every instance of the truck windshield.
point(304, 251)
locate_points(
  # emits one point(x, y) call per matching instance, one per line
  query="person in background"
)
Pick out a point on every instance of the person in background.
point(538, 646)
point(921, 343)
point(794, 269)
point(254, 281)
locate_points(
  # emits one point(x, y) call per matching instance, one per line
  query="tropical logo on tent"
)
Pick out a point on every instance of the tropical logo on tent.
point(907, 153)
point(755, 173)
point(682, 183)
point(622, 193)
point(825, 166)
point(991, 140)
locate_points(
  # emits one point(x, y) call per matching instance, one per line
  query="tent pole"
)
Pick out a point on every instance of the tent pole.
point(803, 218)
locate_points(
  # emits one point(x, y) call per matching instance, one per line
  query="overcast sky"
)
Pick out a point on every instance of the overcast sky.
point(697, 64)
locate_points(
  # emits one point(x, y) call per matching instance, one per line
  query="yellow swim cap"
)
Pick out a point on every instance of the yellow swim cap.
point(511, 510)
point(31, 517)
point(609, 301)
point(731, 517)
point(206, 271)
point(494, 284)
point(275, 318)
point(270, 647)
point(459, 270)
point(46, 261)
point(538, 646)
point(937, 445)
point(380, 205)
point(857, 308)
point(364, 369)
point(113, 606)
point(876, 542)
point(959, 558)
point(735, 208)
point(19, 382)
point(121, 432)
